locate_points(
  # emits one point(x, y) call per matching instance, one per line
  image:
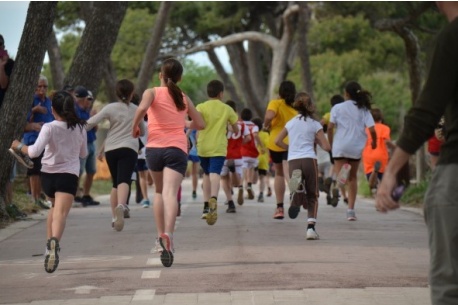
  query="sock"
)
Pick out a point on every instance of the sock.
point(206, 205)
point(249, 184)
point(215, 198)
point(311, 226)
point(280, 205)
point(260, 194)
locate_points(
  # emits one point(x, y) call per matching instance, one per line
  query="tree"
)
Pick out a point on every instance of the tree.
point(98, 39)
point(30, 56)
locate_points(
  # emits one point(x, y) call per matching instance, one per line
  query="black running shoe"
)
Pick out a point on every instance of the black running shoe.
point(167, 250)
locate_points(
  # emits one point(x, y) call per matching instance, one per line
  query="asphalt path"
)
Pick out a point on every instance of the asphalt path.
point(245, 251)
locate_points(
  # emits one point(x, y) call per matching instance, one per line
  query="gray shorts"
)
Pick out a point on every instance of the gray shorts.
point(441, 216)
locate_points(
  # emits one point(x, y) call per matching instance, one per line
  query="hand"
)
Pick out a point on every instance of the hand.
point(15, 144)
point(135, 132)
point(383, 201)
point(36, 126)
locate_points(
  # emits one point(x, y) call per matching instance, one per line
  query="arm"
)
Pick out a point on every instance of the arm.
point(197, 122)
point(235, 127)
point(101, 152)
point(330, 133)
point(279, 140)
point(258, 140)
point(83, 150)
point(93, 121)
point(373, 136)
point(36, 149)
point(270, 115)
point(322, 141)
point(33, 126)
point(147, 99)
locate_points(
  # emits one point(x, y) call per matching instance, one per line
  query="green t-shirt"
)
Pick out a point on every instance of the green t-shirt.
point(212, 141)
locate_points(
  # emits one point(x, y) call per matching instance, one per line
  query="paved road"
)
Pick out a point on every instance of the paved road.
point(245, 258)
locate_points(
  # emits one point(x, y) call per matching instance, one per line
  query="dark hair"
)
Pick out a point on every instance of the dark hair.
point(246, 114)
point(336, 99)
point(232, 104)
point(172, 70)
point(63, 104)
point(304, 105)
point(361, 97)
point(135, 99)
point(377, 115)
point(287, 91)
point(214, 88)
point(124, 89)
point(258, 122)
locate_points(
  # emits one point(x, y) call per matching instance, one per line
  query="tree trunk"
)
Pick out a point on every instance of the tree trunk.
point(256, 68)
point(29, 60)
point(228, 84)
point(109, 76)
point(55, 62)
point(96, 44)
point(302, 41)
point(152, 50)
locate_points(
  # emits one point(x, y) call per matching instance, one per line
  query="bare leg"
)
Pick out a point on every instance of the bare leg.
point(143, 184)
point(279, 182)
point(62, 204)
point(88, 184)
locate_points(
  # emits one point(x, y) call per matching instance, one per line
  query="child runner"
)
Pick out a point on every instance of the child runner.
point(212, 145)
point(167, 147)
point(303, 131)
point(263, 158)
point(194, 158)
point(64, 142)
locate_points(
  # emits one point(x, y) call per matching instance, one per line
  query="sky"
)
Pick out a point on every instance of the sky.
point(12, 20)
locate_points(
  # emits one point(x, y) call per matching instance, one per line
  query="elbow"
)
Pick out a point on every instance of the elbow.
point(201, 125)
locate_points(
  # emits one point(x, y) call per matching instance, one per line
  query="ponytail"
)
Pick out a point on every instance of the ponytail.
point(362, 97)
point(64, 105)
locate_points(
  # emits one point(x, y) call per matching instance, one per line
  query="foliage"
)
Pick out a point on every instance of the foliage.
point(414, 194)
point(195, 80)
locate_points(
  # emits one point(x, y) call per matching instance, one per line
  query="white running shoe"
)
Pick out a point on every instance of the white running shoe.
point(312, 235)
point(119, 220)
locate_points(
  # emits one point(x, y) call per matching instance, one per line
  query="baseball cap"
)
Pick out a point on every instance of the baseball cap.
point(80, 91)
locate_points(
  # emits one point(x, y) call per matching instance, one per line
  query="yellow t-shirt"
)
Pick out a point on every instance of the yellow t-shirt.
point(212, 141)
point(326, 117)
point(283, 113)
point(263, 158)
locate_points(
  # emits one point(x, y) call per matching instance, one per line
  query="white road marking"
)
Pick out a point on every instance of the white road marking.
point(154, 262)
point(144, 295)
point(152, 274)
point(83, 289)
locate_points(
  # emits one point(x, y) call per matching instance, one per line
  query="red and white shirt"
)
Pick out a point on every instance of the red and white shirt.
point(235, 141)
point(249, 149)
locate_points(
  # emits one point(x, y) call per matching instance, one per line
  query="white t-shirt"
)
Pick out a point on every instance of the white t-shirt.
point(302, 135)
point(350, 136)
point(322, 155)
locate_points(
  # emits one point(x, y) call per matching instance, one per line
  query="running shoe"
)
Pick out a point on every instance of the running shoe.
point(328, 199)
point(240, 196)
point(279, 214)
point(260, 198)
point(145, 204)
point(166, 242)
point(312, 235)
point(321, 186)
point(327, 185)
point(194, 195)
point(205, 213)
point(351, 215)
point(126, 212)
point(269, 191)
point(295, 207)
point(118, 223)
point(88, 200)
point(231, 207)
point(250, 193)
point(295, 180)
point(22, 158)
point(42, 204)
point(157, 247)
point(345, 201)
point(52, 256)
point(212, 215)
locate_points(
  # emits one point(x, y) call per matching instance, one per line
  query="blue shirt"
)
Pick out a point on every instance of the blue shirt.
point(85, 115)
point(31, 136)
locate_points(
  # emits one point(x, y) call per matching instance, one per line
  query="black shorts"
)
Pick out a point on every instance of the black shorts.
point(36, 170)
point(171, 157)
point(278, 156)
point(59, 182)
point(262, 172)
point(347, 159)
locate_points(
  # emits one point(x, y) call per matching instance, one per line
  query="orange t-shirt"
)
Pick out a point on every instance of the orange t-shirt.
point(370, 156)
point(165, 123)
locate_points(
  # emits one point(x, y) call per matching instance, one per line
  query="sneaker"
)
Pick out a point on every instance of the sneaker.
point(157, 247)
point(335, 197)
point(345, 201)
point(240, 196)
point(22, 158)
point(260, 198)
point(269, 192)
point(205, 213)
point(14, 212)
point(343, 175)
point(328, 199)
point(231, 207)
point(52, 258)
point(145, 204)
point(295, 180)
point(118, 223)
point(351, 216)
point(321, 186)
point(88, 200)
point(312, 235)
point(212, 215)
point(78, 199)
point(42, 204)
point(194, 195)
point(295, 207)
point(126, 212)
point(279, 214)
point(250, 193)
point(166, 243)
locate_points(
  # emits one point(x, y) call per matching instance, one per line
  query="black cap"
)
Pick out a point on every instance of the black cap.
point(80, 91)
